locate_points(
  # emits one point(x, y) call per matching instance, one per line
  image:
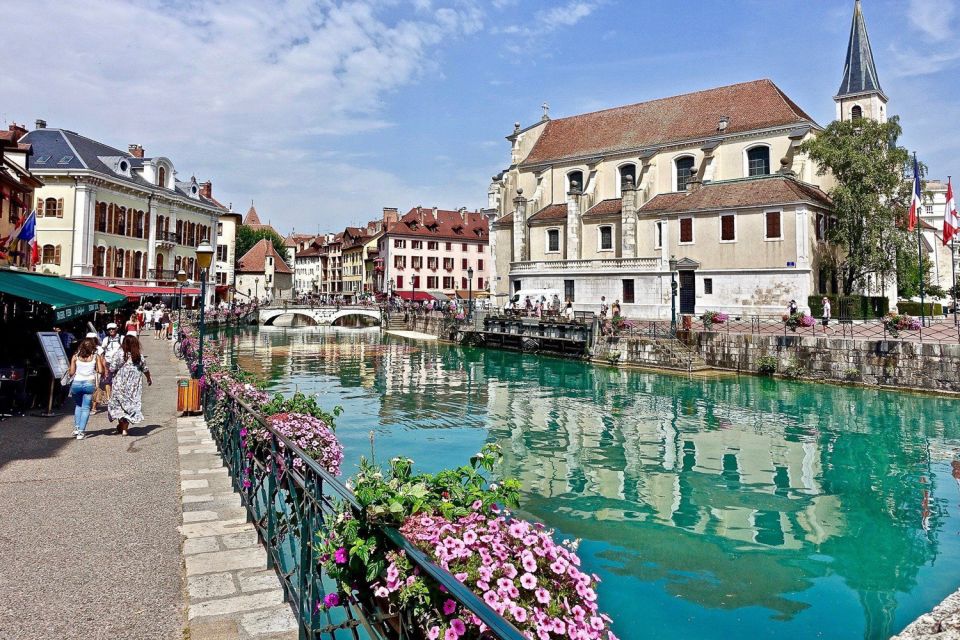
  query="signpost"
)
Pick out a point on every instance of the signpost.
point(57, 360)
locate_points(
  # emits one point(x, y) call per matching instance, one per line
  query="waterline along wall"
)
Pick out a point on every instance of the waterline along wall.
point(892, 363)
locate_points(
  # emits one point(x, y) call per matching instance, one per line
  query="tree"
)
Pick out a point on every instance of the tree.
point(908, 283)
point(247, 237)
point(870, 199)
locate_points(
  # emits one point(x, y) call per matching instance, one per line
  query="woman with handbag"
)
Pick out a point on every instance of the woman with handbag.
point(128, 368)
point(84, 367)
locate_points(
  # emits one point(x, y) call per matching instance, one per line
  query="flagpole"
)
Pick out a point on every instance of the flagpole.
point(919, 246)
point(953, 259)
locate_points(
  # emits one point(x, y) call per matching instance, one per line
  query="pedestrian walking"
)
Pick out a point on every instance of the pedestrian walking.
point(166, 329)
point(133, 324)
point(157, 321)
point(84, 367)
point(128, 368)
point(826, 312)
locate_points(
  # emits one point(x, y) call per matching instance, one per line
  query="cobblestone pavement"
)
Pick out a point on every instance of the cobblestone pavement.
point(89, 542)
point(231, 593)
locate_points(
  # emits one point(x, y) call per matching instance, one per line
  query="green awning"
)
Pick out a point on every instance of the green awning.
point(68, 299)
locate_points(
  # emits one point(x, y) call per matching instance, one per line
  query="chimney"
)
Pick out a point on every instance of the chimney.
point(390, 215)
point(463, 213)
point(18, 130)
point(206, 189)
point(40, 124)
point(135, 150)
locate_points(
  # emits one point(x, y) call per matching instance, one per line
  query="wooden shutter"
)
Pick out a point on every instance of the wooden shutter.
point(686, 230)
point(727, 227)
point(59, 208)
point(56, 255)
point(39, 207)
point(107, 272)
point(773, 224)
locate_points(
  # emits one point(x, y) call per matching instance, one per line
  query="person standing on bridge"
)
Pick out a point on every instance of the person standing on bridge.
point(128, 368)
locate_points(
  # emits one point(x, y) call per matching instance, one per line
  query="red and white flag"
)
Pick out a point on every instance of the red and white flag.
point(951, 221)
point(916, 203)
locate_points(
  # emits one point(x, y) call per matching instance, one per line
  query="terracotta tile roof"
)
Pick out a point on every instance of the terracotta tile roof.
point(605, 207)
point(309, 252)
point(442, 224)
point(550, 212)
point(255, 260)
point(505, 220)
point(252, 217)
point(295, 239)
point(732, 194)
point(750, 106)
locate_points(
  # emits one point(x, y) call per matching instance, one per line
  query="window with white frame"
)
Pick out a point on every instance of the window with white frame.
point(553, 240)
point(605, 238)
point(683, 166)
point(658, 230)
point(686, 230)
point(728, 227)
point(758, 160)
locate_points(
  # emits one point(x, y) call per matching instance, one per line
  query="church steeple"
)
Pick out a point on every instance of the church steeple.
point(860, 94)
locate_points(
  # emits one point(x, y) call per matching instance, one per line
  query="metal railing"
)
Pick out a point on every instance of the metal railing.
point(935, 330)
point(287, 498)
point(167, 236)
point(162, 274)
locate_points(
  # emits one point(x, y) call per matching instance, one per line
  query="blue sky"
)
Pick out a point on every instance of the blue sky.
point(324, 112)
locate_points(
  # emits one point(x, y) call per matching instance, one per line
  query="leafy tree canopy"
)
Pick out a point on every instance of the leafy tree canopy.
point(870, 199)
point(247, 237)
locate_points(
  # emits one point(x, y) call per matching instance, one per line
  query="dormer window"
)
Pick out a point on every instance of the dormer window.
point(758, 161)
point(124, 166)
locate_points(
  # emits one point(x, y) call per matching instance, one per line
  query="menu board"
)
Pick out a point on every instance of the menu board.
point(53, 350)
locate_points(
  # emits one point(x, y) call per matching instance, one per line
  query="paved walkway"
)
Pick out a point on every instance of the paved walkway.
point(89, 541)
point(232, 595)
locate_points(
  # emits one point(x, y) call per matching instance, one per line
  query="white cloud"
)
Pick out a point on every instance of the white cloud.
point(242, 91)
point(549, 20)
point(933, 19)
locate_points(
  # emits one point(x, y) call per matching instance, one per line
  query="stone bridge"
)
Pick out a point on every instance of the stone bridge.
point(314, 315)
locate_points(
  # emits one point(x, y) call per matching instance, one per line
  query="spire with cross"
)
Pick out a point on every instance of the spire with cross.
point(546, 111)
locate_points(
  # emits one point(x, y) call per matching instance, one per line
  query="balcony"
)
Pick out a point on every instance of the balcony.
point(166, 238)
point(609, 265)
point(162, 274)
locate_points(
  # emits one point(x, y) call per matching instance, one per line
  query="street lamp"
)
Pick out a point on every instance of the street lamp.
point(673, 295)
point(469, 294)
point(204, 258)
point(181, 280)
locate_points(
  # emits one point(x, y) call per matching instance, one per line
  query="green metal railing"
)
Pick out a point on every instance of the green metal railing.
point(287, 497)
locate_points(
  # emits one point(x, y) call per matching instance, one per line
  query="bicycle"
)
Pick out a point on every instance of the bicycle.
point(178, 345)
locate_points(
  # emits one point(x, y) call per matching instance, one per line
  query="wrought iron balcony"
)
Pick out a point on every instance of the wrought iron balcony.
point(162, 274)
point(166, 237)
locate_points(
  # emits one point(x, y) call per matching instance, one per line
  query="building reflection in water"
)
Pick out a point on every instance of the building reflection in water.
point(730, 494)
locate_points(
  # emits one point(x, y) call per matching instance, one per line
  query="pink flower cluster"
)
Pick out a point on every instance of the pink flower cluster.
point(521, 572)
point(310, 434)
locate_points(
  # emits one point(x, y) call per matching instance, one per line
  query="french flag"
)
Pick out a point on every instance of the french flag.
point(28, 233)
point(916, 203)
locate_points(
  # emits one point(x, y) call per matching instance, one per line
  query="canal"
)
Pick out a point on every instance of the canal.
point(710, 508)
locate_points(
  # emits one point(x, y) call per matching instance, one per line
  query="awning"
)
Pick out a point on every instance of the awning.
point(464, 294)
point(416, 296)
point(439, 295)
point(136, 291)
point(67, 298)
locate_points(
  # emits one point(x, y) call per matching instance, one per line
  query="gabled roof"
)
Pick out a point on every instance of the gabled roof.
point(859, 71)
point(750, 106)
point(442, 224)
point(255, 260)
point(734, 194)
point(294, 239)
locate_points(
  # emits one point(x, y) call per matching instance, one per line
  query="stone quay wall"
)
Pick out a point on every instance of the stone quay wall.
point(893, 363)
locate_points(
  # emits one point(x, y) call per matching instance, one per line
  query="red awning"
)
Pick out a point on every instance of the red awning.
point(416, 296)
point(135, 292)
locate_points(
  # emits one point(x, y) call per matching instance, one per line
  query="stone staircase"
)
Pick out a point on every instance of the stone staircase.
point(396, 322)
point(663, 353)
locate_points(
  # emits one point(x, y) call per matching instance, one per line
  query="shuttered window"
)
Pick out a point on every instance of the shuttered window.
point(728, 227)
point(773, 225)
point(686, 229)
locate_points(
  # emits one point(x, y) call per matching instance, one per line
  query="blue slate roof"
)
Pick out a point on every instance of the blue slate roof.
point(859, 71)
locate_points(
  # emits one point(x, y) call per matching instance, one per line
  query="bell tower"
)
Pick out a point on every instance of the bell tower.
point(860, 95)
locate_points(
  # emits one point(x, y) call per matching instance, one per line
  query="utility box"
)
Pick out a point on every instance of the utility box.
point(188, 395)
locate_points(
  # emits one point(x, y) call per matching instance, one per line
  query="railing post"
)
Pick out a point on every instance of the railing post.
point(271, 498)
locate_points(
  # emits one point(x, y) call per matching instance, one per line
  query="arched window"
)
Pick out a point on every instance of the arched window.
point(122, 222)
point(118, 264)
point(575, 180)
point(98, 257)
point(178, 263)
point(758, 161)
point(53, 208)
point(162, 176)
point(159, 267)
point(49, 254)
point(146, 224)
point(623, 172)
point(143, 266)
point(137, 263)
point(684, 167)
point(856, 113)
point(102, 217)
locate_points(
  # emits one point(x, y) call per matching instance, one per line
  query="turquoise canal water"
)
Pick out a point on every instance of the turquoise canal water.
point(711, 508)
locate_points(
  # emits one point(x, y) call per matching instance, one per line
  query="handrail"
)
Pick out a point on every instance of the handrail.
point(500, 627)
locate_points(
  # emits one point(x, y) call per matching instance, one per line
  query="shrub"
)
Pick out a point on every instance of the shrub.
point(913, 308)
point(767, 365)
point(793, 369)
point(850, 307)
point(798, 319)
point(896, 322)
point(851, 374)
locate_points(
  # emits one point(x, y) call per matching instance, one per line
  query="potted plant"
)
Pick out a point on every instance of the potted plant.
point(897, 322)
point(711, 318)
point(798, 319)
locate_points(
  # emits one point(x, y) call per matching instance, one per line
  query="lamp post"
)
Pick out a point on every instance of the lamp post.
point(181, 280)
point(673, 295)
point(469, 294)
point(204, 257)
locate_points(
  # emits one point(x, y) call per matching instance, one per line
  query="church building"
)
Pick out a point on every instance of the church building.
point(707, 188)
